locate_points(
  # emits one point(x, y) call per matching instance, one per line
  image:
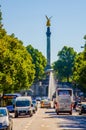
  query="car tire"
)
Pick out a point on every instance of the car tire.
point(71, 113)
point(31, 114)
point(9, 128)
point(57, 112)
point(34, 111)
point(16, 114)
point(80, 113)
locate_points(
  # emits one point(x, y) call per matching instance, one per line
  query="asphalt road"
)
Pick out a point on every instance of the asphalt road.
point(46, 119)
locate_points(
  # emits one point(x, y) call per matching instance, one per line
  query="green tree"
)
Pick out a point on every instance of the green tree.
point(64, 65)
point(38, 60)
point(84, 37)
point(79, 73)
point(0, 18)
point(2, 31)
point(16, 69)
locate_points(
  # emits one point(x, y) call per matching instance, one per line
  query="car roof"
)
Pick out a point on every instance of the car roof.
point(3, 108)
point(33, 100)
point(24, 98)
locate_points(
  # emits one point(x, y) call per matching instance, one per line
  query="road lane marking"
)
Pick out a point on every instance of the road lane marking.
point(45, 125)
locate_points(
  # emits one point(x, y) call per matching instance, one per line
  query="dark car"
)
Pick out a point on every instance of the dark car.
point(82, 109)
point(78, 107)
point(6, 122)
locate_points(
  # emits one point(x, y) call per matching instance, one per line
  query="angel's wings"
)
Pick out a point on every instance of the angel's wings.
point(48, 18)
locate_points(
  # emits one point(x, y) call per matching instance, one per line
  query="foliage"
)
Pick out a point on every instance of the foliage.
point(64, 65)
point(38, 60)
point(85, 37)
point(79, 73)
point(80, 70)
point(0, 19)
point(16, 68)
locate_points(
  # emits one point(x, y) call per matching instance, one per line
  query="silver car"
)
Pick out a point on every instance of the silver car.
point(35, 104)
point(6, 122)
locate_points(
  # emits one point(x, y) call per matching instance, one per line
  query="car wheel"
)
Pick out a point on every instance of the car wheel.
point(16, 114)
point(80, 113)
point(9, 128)
point(34, 111)
point(31, 114)
point(57, 112)
point(71, 113)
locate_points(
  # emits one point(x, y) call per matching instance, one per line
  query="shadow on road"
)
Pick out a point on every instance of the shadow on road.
point(68, 122)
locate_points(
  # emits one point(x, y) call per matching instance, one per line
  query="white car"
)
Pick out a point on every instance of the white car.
point(6, 122)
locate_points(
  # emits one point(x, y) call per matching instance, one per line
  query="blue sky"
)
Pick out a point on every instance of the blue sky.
point(26, 19)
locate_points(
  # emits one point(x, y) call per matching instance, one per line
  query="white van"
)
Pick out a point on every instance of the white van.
point(23, 106)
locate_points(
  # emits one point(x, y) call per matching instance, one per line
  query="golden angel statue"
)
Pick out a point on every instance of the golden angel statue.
point(48, 21)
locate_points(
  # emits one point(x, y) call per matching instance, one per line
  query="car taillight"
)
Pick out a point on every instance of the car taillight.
point(71, 106)
point(56, 104)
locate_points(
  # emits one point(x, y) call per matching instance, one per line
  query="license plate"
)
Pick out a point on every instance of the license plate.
point(22, 113)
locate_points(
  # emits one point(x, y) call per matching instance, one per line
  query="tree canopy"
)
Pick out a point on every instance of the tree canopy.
point(16, 69)
point(79, 73)
point(38, 60)
point(64, 65)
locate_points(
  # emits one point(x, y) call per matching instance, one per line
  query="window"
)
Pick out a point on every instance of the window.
point(64, 92)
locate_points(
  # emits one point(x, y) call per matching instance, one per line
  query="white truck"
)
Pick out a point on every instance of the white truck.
point(64, 100)
point(23, 106)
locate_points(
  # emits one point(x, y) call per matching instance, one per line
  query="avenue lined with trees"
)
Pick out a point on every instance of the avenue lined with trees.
point(21, 66)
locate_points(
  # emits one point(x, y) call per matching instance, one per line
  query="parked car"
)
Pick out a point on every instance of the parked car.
point(6, 122)
point(33, 108)
point(83, 108)
point(38, 98)
point(35, 104)
point(78, 107)
point(46, 103)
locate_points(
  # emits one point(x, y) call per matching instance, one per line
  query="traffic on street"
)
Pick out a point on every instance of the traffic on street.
point(47, 119)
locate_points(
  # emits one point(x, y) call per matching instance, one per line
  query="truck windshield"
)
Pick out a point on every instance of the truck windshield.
point(64, 92)
point(22, 103)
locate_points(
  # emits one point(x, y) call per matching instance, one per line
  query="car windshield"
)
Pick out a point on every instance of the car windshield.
point(46, 100)
point(22, 103)
point(3, 112)
point(79, 104)
point(84, 105)
point(34, 102)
